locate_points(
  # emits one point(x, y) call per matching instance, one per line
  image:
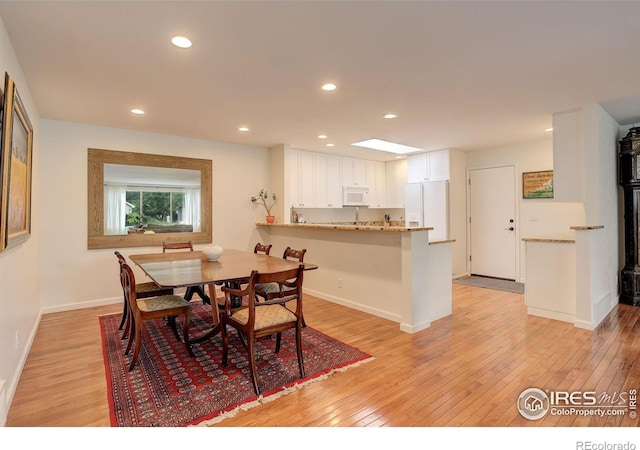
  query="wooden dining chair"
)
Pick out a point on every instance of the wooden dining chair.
point(143, 290)
point(268, 291)
point(262, 248)
point(169, 306)
point(256, 320)
point(190, 289)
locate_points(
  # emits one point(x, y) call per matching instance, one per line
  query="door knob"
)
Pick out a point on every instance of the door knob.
point(510, 228)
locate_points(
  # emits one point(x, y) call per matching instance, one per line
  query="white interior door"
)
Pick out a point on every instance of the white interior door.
point(492, 222)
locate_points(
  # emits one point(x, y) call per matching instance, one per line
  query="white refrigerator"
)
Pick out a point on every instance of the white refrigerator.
point(427, 205)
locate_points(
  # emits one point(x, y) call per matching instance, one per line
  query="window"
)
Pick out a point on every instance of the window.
point(145, 206)
point(150, 199)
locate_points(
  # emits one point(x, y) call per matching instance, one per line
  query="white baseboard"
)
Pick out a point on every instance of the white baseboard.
point(414, 329)
point(548, 314)
point(82, 305)
point(344, 302)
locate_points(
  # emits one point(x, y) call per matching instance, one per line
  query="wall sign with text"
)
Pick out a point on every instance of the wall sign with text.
point(537, 184)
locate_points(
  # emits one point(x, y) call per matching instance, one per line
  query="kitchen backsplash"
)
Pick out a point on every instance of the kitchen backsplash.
point(348, 215)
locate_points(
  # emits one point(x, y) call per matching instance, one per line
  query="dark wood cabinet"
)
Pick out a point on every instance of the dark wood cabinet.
point(629, 179)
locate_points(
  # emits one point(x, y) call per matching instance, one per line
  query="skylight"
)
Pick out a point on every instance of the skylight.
point(386, 146)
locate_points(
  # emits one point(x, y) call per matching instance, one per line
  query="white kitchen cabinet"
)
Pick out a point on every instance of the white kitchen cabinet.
point(375, 177)
point(300, 178)
point(328, 181)
point(439, 165)
point(428, 166)
point(306, 180)
point(292, 176)
point(395, 181)
point(354, 172)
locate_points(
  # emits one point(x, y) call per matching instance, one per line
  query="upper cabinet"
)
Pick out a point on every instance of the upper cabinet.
point(315, 180)
point(328, 181)
point(428, 166)
point(354, 172)
point(301, 178)
point(395, 180)
point(375, 177)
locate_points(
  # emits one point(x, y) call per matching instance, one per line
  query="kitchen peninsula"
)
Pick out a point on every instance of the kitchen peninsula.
point(392, 272)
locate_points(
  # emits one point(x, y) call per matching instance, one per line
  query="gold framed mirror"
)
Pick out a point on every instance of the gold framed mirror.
point(133, 234)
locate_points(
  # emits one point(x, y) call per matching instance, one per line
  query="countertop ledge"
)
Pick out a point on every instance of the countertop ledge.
point(552, 239)
point(587, 227)
point(444, 241)
point(327, 226)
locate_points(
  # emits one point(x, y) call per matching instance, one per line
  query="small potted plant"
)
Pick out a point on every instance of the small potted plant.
point(267, 201)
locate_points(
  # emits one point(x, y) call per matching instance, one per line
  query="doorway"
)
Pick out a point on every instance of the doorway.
point(492, 222)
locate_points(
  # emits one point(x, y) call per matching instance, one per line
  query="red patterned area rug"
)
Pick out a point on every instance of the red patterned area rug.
point(167, 388)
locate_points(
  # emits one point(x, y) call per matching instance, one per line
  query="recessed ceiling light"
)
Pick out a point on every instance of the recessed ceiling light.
point(390, 116)
point(548, 129)
point(329, 87)
point(386, 146)
point(181, 41)
point(243, 129)
point(329, 145)
point(137, 111)
point(322, 136)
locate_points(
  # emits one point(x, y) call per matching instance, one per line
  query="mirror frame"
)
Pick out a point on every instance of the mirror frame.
point(97, 158)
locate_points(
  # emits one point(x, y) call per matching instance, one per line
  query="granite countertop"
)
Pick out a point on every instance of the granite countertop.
point(564, 238)
point(349, 226)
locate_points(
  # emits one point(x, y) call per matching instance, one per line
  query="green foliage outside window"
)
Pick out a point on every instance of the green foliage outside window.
point(154, 207)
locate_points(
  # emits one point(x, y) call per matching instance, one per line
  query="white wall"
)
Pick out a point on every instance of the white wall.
point(598, 250)
point(536, 217)
point(73, 276)
point(19, 269)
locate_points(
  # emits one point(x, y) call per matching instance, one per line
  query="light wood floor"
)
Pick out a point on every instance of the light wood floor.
point(468, 369)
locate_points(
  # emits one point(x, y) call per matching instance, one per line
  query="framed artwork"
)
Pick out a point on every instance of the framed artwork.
point(537, 184)
point(15, 164)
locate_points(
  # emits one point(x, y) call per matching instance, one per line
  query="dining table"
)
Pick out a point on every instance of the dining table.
point(184, 269)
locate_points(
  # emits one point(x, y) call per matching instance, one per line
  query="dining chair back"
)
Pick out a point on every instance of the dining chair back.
point(262, 248)
point(259, 319)
point(177, 246)
point(169, 306)
point(143, 290)
point(188, 295)
point(268, 291)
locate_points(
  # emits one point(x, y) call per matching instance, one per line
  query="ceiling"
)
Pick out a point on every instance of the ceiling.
point(467, 75)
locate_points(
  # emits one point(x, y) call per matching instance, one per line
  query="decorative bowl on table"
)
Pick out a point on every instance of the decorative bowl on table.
point(212, 252)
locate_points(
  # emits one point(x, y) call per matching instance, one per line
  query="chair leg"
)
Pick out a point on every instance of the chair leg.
point(225, 344)
point(278, 339)
point(127, 326)
point(185, 332)
point(131, 329)
point(252, 363)
point(299, 349)
point(172, 324)
point(136, 347)
point(125, 310)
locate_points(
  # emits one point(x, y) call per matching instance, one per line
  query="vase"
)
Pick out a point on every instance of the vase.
point(271, 219)
point(212, 252)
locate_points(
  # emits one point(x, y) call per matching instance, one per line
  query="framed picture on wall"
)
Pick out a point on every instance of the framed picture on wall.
point(15, 163)
point(537, 184)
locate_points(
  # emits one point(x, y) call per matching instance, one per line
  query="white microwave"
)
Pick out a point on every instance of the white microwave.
point(355, 196)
